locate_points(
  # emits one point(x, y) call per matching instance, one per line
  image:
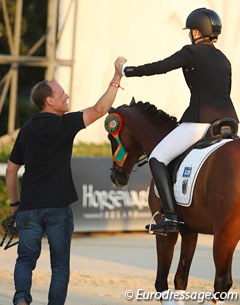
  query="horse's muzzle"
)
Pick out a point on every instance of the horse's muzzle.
point(119, 178)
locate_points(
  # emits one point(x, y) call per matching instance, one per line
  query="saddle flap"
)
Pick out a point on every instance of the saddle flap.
point(188, 172)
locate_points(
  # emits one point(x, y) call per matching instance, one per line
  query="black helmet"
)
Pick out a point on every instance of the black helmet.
point(206, 21)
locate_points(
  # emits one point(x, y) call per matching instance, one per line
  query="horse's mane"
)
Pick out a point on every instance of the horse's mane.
point(154, 113)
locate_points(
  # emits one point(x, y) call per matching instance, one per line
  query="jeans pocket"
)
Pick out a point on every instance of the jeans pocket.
point(22, 219)
point(56, 217)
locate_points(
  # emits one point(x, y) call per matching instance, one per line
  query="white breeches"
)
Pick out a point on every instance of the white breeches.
point(179, 140)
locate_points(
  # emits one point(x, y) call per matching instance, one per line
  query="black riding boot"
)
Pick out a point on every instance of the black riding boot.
point(169, 220)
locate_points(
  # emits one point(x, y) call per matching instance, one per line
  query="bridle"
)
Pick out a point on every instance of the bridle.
point(117, 167)
point(113, 125)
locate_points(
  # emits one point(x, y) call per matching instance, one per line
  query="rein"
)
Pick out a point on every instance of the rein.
point(142, 161)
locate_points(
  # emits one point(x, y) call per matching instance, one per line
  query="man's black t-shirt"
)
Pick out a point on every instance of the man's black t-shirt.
point(44, 147)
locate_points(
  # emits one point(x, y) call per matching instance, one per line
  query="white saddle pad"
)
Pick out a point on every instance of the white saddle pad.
point(188, 172)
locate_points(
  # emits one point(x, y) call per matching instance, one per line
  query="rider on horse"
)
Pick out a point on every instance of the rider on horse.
point(207, 72)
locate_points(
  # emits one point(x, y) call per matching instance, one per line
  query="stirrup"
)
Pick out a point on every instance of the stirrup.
point(168, 225)
point(151, 222)
point(150, 231)
point(176, 221)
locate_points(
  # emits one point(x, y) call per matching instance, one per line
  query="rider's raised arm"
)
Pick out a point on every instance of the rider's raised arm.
point(105, 102)
point(180, 59)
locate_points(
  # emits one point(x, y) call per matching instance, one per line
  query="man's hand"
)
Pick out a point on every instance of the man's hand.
point(12, 183)
point(91, 114)
point(119, 62)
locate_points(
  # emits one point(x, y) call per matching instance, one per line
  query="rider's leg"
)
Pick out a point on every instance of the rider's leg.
point(175, 143)
point(162, 181)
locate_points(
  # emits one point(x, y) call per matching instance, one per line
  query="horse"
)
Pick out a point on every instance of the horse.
point(215, 209)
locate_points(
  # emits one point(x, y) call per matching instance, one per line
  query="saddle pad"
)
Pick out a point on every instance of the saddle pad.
point(188, 172)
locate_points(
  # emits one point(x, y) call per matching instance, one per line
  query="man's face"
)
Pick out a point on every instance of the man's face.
point(59, 99)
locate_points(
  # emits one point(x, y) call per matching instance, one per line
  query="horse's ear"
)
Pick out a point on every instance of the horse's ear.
point(132, 101)
point(111, 110)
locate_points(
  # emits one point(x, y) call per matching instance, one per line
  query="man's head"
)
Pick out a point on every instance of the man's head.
point(49, 96)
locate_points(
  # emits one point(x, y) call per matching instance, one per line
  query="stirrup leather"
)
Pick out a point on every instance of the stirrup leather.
point(150, 231)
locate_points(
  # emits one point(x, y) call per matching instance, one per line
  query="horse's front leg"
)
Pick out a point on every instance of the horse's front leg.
point(165, 249)
point(164, 246)
point(188, 246)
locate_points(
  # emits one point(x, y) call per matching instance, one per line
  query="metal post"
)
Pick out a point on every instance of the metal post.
point(73, 47)
point(51, 38)
point(15, 59)
point(5, 89)
point(14, 67)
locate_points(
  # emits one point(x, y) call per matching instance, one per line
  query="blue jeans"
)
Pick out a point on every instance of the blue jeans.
point(58, 226)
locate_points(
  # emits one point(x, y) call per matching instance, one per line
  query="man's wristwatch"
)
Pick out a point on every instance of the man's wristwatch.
point(14, 204)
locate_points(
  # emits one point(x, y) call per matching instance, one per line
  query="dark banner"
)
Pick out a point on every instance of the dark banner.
point(104, 207)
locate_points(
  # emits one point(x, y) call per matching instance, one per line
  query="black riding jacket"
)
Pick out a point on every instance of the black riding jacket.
point(207, 72)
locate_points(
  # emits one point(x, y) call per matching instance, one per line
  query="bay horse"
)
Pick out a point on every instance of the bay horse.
point(215, 207)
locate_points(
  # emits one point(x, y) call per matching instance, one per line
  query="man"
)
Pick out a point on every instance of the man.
point(44, 147)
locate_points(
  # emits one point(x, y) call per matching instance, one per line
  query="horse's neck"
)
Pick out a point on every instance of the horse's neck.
point(151, 134)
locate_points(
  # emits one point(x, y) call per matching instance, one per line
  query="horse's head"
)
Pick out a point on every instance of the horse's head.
point(134, 130)
point(126, 151)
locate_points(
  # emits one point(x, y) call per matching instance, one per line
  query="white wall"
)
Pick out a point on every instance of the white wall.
point(142, 31)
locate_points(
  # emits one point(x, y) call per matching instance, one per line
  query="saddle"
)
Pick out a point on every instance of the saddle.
point(226, 128)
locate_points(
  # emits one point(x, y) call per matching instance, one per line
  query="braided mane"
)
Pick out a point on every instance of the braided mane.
point(156, 114)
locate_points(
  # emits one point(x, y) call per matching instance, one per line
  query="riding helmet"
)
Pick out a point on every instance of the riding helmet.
point(206, 21)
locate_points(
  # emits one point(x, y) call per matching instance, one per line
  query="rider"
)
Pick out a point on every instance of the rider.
point(207, 73)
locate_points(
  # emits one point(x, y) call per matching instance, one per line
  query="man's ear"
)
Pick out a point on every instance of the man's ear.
point(196, 33)
point(48, 101)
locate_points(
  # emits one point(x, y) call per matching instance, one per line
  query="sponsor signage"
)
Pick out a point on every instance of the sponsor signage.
point(104, 207)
